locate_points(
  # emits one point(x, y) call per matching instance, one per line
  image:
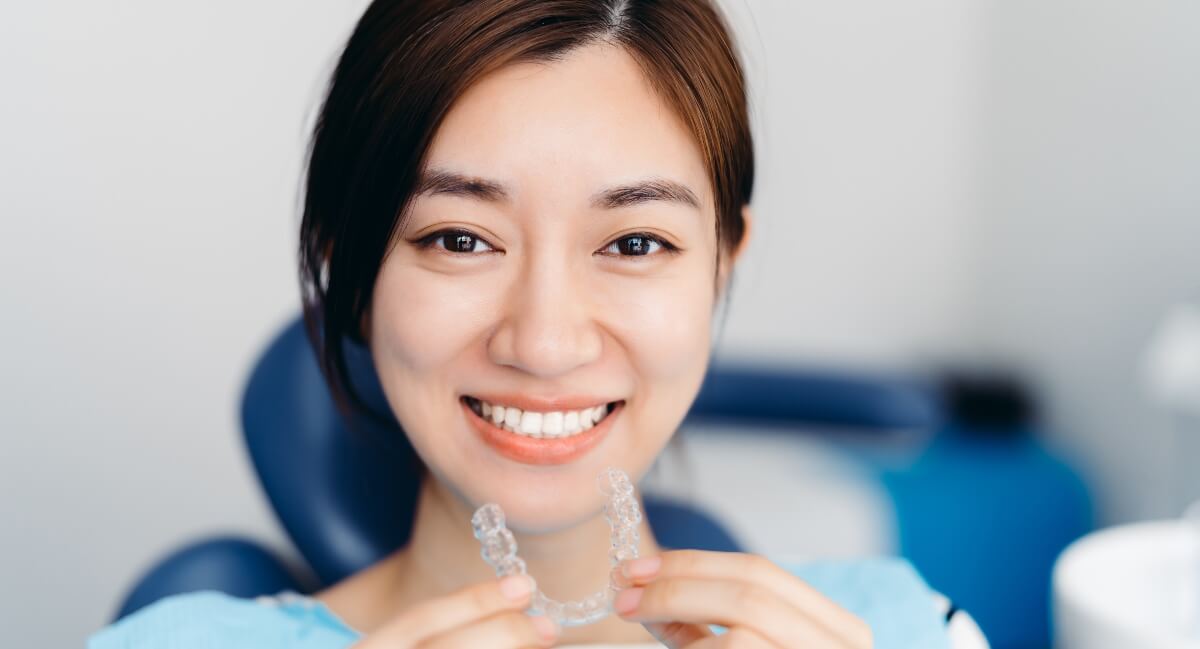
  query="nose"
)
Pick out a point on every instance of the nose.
point(548, 326)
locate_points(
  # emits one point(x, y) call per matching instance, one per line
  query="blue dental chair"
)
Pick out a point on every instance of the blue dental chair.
point(344, 490)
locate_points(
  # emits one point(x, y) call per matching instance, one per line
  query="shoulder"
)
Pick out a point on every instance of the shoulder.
point(892, 597)
point(213, 619)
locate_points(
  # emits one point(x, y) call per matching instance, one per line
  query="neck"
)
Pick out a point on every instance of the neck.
point(442, 557)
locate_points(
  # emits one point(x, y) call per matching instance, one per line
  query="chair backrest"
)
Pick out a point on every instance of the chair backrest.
point(347, 498)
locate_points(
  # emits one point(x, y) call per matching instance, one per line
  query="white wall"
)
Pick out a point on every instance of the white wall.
point(148, 176)
point(148, 170)
point(866, 116)
point(1091, 223)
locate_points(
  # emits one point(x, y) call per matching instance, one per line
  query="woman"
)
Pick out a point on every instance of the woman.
point(528, 210)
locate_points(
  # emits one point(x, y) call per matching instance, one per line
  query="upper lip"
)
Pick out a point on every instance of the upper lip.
point(542, 404)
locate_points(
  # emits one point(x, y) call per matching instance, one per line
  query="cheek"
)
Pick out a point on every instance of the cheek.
point(421, 320)
point(422, 328)
point(664, 322)
point(423, 325)
point(664, 328)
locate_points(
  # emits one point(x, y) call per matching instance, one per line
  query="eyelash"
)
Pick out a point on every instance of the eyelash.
point(428, 242)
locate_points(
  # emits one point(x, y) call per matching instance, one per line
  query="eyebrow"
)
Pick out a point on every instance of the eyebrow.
point(442, 181)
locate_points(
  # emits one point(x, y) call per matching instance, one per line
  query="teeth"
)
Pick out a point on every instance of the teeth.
point(531, 423)
point(552, 424)
point(512, 418)
point(541, 425)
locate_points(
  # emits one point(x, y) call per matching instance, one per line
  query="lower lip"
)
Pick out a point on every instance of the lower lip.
point(530, 450)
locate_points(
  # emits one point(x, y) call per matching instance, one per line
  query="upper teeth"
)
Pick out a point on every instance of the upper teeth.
point(543, 424)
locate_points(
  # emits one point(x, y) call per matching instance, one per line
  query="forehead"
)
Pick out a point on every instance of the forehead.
point(589, 119)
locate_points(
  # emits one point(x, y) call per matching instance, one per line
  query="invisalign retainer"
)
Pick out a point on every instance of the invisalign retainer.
point(623, 515)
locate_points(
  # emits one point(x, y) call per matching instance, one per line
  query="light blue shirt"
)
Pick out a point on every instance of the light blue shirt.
point(887, 593)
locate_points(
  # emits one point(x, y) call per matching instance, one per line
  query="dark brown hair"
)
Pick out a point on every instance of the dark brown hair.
point(406, 63)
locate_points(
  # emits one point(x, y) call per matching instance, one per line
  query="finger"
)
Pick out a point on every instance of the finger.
point(740, 638)
point(510, 630)
point(677, 635)
point(721, 601)
point(753, 569)
point(439, 615)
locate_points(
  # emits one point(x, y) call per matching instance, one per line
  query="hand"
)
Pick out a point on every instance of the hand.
point(487, 615)
point(677, 594)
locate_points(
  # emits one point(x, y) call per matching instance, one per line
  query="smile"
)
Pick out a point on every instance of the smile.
point(540, 437)
point(540, 425)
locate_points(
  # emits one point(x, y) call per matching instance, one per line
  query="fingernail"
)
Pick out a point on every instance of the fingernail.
point(627, 600)
point(515, 587)
point(545, 627)
point(644, 567)
point(617, 578)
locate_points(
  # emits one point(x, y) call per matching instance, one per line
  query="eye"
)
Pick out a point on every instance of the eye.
point(459, 242)
point(640, 244)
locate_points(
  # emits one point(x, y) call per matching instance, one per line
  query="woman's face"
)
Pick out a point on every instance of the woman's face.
point(562, 257)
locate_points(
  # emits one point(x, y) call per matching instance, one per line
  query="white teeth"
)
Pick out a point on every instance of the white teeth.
point(552, 424)
point(571, 422)
point(541, 425)
point(531, 422)
point(512, 418)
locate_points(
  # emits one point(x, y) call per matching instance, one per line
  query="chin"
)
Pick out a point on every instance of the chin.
point(536, 500)
point(543, 515)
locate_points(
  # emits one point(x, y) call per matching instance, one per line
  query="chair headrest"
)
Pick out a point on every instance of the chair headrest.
point(345, 496)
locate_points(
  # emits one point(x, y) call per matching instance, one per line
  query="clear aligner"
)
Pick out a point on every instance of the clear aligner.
point(499, 550)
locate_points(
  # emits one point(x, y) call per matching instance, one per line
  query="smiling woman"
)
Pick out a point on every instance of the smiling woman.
point(560, 259)
point(528, 211)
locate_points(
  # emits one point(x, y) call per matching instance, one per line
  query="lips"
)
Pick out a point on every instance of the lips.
point(544, 451)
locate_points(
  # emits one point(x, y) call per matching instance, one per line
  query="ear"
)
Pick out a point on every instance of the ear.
point(730, 260)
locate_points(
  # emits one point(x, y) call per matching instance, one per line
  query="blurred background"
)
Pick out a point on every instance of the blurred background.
point(946, 189)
